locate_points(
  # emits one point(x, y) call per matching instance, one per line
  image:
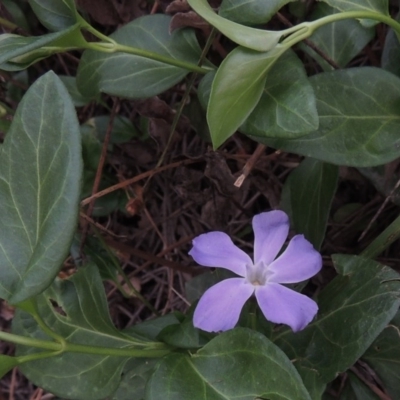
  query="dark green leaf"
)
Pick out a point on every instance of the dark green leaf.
point(77, 97)
point(80, 315)
point(7, 363)
point(359, 111)
point(55, 14)
point(355, 389)
point(251, 12)
point(391, 52)
point(384, 355)
point(341, 41)
point(18, 15)
point(122, 129)
point(287, 107)
point(40, 172)
point(136, 374)
point(307, 196)
point(133, 76)
point(238, 364)
point(353, 309)
point(236, 90)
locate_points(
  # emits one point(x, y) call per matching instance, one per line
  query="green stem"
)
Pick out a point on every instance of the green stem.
point(36, 356)
point(118, 352)
point(158, 349)
point(25, 341)
point(306, 29)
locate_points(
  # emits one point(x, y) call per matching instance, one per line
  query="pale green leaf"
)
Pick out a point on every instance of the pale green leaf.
point(55, 14)
point(40, 172)
point(307, 196)
point(287, 107)
point(81, 316)
point(19, 52)
point(251, 12)
point(236, 90)
point(359, 125)
point(238, 364)
point(132, 76)
point(255, 39)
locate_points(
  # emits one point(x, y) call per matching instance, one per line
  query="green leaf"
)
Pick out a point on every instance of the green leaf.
point(132, 76)
point(391, 52)
point(359, 119)
point(253, 12)
point(238, 364)
point(40, 172)
point(75, 309)
point(287, 107)
point(122, 130)
point(355, 389)
point(307, 197)
point(353, 309)
point(341, 41)
point(379, 6)
point(236, 90)
point(18, 15)
point(255, 39)
point(384, 355)
point(77, 97)
point(136, 374)
point(7, 363)
point(55, 15)
point(19, 52)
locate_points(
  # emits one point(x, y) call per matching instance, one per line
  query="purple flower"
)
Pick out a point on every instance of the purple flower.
point(220, 306)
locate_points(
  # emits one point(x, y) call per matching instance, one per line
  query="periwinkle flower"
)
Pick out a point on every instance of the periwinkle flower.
point(220, 306)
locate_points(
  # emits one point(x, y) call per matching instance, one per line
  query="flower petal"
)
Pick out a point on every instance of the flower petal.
point(270, 232)
point(220, 306)
point(298, 262)
point(216, 249)
point(285, 306)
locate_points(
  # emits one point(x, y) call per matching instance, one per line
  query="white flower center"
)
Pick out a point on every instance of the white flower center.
point(257, 274)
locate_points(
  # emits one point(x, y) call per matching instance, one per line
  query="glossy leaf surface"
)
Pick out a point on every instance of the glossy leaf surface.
point(132, 76)
point(307, 197)
point(251, 12)
point(55, 14)
point(238, 364)
point(359, 111)
point(353, 309)
point(287, 107)
point(236, 90)
point(81, 316)
point(40, 172)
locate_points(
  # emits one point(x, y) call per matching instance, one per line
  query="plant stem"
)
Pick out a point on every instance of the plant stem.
point(25, 341)
point(8, 24)
point(308, 28)
point(159, 349)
